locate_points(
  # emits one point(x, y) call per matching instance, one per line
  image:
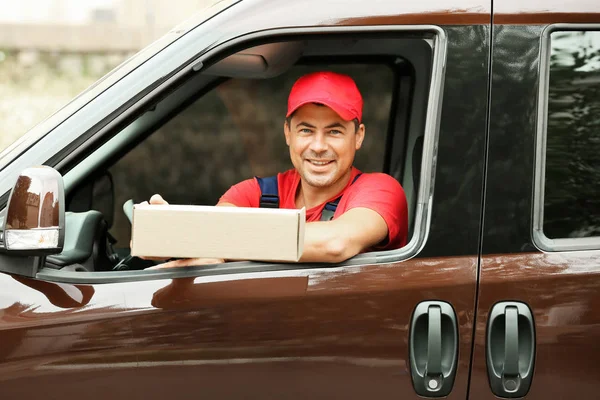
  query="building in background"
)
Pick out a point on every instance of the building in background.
point(51, 50)
point(95, 25)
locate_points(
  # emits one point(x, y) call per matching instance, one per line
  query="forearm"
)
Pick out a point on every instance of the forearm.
point(338, 240)
point(327, 242)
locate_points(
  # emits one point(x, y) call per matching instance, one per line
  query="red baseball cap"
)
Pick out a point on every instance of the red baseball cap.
point(336, 91)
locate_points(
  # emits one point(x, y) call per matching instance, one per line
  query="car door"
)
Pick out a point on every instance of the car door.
point(383, 324)
point(537, 315)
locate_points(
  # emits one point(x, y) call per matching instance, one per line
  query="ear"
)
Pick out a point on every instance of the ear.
point(287, 132)
point(360, 136)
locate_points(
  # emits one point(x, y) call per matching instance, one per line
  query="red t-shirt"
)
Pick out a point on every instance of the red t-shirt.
point(376, 191)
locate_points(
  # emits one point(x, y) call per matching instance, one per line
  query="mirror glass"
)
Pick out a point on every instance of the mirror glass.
point(35, 215)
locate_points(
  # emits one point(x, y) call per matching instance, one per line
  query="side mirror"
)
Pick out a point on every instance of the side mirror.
point(34, 222)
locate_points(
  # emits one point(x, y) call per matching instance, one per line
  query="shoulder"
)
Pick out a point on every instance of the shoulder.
point(247, 185)
point(243, 194)
point(376, 188)
point(377, 181)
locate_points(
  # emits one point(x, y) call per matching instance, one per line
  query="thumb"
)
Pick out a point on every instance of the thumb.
point(157, 199)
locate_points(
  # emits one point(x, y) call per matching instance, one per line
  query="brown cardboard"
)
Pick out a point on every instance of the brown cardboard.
point(233, 233)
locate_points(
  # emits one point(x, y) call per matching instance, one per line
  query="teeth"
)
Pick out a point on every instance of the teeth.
point(320, 162)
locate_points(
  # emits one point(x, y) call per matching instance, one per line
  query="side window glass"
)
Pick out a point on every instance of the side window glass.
point(235, 132)
point(572, 163)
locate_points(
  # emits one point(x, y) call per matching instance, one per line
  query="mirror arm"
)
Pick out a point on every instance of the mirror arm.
point(23, 266)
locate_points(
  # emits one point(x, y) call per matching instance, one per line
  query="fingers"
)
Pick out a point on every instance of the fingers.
point(188, 262)
point(154, 258)
point(210, 261)
point(157, 199)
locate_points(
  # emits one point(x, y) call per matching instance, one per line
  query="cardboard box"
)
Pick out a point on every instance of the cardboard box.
point(233, 233)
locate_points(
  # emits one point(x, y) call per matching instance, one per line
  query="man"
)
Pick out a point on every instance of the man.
point(323, 130)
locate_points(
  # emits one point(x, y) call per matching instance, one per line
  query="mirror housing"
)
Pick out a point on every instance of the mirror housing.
point(34, 222)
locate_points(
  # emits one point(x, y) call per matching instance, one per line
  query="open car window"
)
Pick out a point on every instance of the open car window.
point(225, 124)
point(235, 132)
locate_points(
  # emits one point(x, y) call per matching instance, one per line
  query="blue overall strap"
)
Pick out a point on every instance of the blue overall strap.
point(269, 193)
point(330, 207)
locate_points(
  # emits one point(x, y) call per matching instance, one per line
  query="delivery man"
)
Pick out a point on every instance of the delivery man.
point(347, 212)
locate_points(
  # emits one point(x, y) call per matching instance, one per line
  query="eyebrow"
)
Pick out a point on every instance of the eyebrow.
point(305, 124)
point(334, 125)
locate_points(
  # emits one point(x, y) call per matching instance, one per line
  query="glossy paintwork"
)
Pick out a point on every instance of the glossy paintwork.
point(43, 322)
point(318, 333)
point(540, 12)
point(508, 220)
point(344, 12)
point(562, 289)
point(312, 333)
point(563, 292)
point(455, 223)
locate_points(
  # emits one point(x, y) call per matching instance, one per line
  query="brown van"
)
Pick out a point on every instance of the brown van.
point(488, 114)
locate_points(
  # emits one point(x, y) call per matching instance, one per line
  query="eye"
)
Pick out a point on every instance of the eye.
point(335, 132)
point(305, 131)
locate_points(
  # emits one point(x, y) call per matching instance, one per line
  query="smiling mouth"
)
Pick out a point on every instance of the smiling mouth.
point(318, 163)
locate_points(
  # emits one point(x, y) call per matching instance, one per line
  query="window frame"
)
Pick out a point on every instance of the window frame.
point(539, 238)
point(437, 39)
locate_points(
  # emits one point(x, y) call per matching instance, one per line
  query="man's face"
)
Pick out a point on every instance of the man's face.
point(322, 144)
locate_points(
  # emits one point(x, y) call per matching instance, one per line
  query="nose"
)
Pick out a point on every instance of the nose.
point(318, 143)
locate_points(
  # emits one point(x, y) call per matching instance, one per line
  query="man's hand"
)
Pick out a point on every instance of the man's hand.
point(155, 199)
point(188, 262)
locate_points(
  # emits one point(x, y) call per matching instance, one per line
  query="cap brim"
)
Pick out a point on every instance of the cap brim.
point(341, 111)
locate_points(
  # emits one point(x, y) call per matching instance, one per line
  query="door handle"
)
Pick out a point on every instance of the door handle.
point(511, 343)
point(510, 349)
point(433, 348)
point(434, 342)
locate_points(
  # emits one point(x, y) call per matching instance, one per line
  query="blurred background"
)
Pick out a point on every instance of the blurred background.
point(51, 50)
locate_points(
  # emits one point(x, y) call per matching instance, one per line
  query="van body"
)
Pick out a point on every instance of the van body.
point(486, 113)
